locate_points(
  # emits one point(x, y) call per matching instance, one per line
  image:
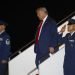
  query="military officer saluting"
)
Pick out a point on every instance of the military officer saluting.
point(4, 48)
point(69, 40)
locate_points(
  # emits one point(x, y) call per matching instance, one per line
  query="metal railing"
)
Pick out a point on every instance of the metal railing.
point(44, 57)
point(22, 49)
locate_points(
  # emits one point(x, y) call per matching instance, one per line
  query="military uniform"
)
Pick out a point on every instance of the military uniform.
point(4, 51)
point(69, 60)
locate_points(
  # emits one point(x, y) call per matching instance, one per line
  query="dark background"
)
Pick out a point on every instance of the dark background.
point(22, 20)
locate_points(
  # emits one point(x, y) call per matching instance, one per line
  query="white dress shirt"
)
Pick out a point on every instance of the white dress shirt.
point(42, 25)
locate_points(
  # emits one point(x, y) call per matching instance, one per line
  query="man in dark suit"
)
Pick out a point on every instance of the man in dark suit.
point(69, 40)
point(46, 36)
point(4, 48)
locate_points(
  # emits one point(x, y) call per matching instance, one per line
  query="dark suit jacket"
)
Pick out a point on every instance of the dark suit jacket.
point(48, 38)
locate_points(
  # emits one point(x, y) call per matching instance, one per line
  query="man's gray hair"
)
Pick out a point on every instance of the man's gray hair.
point(42, 9)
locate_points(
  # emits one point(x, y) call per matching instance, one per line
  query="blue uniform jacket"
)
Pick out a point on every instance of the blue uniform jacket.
point(69, 42)
point(4, 46)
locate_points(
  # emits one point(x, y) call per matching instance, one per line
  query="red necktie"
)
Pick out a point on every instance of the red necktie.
point(38, 31)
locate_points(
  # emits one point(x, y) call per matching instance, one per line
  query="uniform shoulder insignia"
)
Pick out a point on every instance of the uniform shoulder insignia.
point(7, 42)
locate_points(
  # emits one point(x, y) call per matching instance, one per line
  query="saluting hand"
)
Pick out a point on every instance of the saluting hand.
point(63, 29)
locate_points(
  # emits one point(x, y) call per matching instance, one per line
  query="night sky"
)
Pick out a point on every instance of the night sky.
point(22, 20)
